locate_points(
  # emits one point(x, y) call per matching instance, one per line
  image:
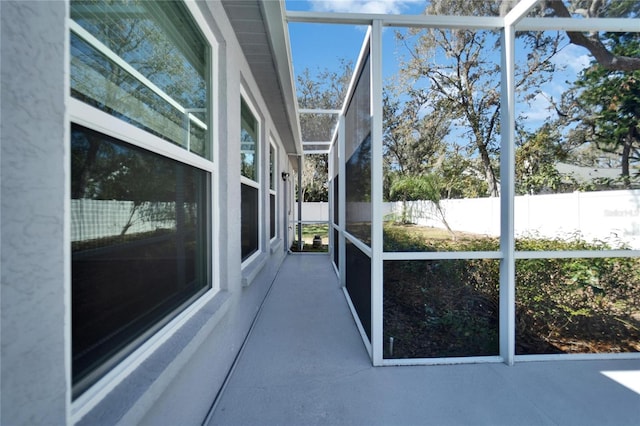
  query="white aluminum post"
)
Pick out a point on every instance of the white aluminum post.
point(507, 316)
point(507, 192)
point(332, 199)
point(300, 243)
point(376, 195)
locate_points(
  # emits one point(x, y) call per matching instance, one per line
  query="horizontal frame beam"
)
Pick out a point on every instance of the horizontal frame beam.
point(578, 24)
point(466, 255)
point(467, 22)
point(442, 255)
point(319, 111)
point(423, 21)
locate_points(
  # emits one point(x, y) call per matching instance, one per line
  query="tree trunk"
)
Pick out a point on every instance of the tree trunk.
point(82, 190)
point(444, 220)
point(490, 174)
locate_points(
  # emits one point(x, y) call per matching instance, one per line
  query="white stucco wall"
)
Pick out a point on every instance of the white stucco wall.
point(176, 376)
point(35, 373)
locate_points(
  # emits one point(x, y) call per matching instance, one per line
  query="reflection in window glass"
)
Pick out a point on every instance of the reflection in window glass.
point(140, 249)
point(273, 172)
point(249, 229)
point(358, 192)
point(577, 305)
point(250, 193)
point(336, 198)
point(272, 168)
point(358, 154)
point(248, 141)
point(336, 167)
point(272, 215)
point(441, 308)
point(336, 248)
point(144, 62)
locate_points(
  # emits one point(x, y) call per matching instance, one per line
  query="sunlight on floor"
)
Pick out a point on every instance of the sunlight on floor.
point(627, 378)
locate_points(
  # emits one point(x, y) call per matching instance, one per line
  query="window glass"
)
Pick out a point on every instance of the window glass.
point(249, 139)
point(358, 153)
point(140, 247)
point(250, 194)
point(272, 191)
point(272, 167)
point(272, 217)
point(250, 230)
point(145, 63)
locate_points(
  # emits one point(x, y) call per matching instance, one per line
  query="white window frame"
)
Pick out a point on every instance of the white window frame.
point(273, 191)
point(244, 96)
point(92, 118)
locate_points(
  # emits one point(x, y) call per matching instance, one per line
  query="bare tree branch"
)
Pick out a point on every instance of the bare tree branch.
point(592, 43)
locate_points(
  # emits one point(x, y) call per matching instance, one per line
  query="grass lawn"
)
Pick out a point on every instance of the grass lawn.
point(308, 232)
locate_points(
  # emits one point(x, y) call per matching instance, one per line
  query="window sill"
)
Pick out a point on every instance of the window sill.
point(164, 354)
point(251, 270)
point(276, 245)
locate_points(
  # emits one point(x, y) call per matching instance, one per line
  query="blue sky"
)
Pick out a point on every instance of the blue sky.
point(320, 46)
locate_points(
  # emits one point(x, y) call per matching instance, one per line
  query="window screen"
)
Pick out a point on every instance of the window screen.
point(139, 226)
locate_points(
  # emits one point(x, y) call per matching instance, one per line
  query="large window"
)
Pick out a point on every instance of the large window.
point(250, 193)
point(145, 63)
point(273, 173)
point(140, 176)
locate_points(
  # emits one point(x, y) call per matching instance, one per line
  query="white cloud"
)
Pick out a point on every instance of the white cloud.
point(363, 6)
point(537, 109)
point(574, 57)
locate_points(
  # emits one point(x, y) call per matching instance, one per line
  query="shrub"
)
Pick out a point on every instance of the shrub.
point(450, 307)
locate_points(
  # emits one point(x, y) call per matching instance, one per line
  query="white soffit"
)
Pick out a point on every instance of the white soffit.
point(263, 35)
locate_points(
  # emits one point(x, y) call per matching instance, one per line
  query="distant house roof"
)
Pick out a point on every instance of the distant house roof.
point(584, 174)
point(263, 35)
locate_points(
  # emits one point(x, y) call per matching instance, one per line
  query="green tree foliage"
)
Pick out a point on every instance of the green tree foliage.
point(315, 171)
point(596, 43)
point(423, 187)
point(536, 158)
point(457, 71)
point(413, 143)
point(461, 176)
point(412, 188)
point(604, 104)
point(449, 87)
point(443, 308)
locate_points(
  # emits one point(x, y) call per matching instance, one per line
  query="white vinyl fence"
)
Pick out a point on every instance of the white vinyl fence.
point(313, 212)
point(612, 216)
point(91, 219)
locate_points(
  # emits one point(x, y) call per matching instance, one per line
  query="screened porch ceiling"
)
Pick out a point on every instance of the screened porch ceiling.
point(262, 30)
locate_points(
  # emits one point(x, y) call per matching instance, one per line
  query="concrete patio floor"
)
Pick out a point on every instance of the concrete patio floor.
point(305, 364)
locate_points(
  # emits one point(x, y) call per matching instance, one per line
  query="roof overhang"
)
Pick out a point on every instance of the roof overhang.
point(263, 35)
